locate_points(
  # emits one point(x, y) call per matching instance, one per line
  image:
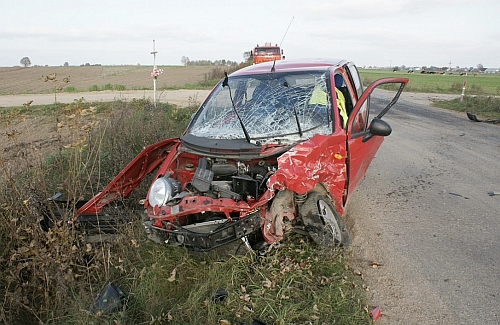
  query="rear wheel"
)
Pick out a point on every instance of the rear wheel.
point(322, 221)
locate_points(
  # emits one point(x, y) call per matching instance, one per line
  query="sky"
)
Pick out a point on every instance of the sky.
point(382, 33)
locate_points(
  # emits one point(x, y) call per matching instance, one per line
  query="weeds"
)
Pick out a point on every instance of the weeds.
point(53, 277)
point(486, 106)
point(107, 86)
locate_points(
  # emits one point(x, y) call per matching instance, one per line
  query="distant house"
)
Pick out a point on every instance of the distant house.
point(492, 70)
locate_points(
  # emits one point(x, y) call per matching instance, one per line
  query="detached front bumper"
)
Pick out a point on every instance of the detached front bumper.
point(224, 232)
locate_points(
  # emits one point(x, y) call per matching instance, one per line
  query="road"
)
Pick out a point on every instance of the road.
point(182, 97)
point(424, 214)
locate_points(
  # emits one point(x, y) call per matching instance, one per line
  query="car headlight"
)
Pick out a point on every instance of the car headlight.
point(162, 191)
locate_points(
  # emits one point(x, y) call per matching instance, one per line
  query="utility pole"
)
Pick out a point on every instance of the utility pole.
point(155, 77)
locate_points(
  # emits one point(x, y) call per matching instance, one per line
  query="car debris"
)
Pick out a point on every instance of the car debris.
point(474, 118)
point(108, 301)
point(376, 313)
point(268, 152)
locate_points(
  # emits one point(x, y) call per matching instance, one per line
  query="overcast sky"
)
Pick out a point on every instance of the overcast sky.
point(368, 32)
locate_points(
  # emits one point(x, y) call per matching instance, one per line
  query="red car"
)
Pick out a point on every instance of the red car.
point(267, 152)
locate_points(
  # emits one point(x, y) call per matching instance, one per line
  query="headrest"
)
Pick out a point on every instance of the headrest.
point(338, 80)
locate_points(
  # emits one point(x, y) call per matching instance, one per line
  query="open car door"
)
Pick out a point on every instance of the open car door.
point(364, 137)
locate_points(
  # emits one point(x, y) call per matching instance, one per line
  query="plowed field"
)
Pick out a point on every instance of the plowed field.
point(18, 80)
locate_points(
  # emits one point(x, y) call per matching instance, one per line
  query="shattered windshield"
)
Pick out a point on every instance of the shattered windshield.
point(273, 107)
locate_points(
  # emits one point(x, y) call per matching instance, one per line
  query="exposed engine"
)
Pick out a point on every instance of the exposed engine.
point(218, 178)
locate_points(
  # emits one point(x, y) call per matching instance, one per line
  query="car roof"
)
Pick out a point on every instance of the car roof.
point(291, 65)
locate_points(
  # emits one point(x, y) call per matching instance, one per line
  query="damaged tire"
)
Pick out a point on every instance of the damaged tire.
point(322, 221)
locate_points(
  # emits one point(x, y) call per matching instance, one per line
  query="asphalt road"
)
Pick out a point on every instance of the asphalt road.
point(423, 214)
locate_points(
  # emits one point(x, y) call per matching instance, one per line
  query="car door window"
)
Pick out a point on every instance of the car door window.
point(360, 120)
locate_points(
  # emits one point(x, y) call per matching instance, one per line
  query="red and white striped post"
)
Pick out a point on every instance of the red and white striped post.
point(463, 91)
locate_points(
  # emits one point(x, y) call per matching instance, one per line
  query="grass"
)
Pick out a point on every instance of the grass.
point(481, 95)
point(53, 277)
point(107, 86)
point(483, 106)
point(482, 84)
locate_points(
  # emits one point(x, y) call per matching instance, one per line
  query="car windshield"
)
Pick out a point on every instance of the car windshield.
point(273, 107)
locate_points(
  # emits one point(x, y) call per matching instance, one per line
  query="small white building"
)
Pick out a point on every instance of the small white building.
point(492, 70)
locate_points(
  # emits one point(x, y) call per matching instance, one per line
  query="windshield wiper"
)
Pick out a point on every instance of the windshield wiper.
point(294, 111)
point(224, 84)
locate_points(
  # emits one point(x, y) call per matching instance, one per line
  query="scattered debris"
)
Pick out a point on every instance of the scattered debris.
point(376, 313)
point(375, 264)
point(474, 118)
point(171, 278)
point(459, 195)
point(492, 193)
point(108, 301)
point(219, 295)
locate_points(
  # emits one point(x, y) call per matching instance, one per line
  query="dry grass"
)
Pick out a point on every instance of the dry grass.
point(53, 277)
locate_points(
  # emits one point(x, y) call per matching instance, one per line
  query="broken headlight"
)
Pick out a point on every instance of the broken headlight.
point(162, 191)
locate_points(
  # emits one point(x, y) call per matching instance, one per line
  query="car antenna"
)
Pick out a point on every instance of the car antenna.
point(224, 84)
point(274, 63)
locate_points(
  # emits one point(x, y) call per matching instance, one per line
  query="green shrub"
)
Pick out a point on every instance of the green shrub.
point(70, 89)
point(94, 88)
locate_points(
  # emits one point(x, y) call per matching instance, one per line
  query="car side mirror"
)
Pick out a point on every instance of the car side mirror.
point(378, 127)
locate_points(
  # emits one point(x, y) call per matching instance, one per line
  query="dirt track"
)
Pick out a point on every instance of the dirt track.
point(181, 97)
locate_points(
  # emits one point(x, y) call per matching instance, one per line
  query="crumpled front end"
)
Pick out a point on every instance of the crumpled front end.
point(202, 202)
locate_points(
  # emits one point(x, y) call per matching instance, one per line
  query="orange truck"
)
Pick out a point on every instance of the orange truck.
point(267, 53)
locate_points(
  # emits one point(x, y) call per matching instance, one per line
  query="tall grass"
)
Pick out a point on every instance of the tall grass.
point(53, 277)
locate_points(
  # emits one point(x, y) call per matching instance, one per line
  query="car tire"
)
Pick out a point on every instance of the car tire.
point(322, 221)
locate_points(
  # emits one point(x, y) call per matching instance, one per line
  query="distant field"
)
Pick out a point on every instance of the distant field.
point(18, 80)
point(482, 84)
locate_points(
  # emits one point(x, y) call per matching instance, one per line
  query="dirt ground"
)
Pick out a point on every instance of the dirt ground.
point(25, 138)
point(31, 80)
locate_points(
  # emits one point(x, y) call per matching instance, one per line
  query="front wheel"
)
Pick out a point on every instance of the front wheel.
point(322, 221)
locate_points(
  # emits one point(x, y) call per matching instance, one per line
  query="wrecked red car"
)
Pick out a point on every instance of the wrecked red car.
point(268, 152)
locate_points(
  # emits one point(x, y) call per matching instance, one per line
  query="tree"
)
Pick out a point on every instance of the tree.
point(184, 60)
point(247, 56)
point(25, 62)
point(66, 64)
point(480, 66)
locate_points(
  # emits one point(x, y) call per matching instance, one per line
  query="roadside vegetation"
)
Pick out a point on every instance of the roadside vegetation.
point(481, 94)
point(54, 277)
point(476, 84)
